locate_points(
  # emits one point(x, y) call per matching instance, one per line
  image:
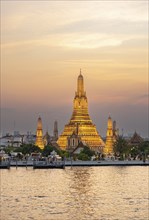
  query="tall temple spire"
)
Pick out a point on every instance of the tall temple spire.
point(110, 126)
point(39, 134)
point(109, 137)
point(115, 131)
point(80, 119)
point(80, 85)
point(55, 131)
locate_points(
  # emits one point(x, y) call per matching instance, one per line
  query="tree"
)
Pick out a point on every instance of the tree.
point(141, 150)
point(144, 147)
point(9, 149)
point(86, 150)
point(83, 156)
point(64, 154)
point(29, 148)
point(134, 151)
point(121, 147)
point(86, 153)
point(47, 150)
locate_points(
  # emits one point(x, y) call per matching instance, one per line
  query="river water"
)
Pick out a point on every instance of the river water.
point(78, 193)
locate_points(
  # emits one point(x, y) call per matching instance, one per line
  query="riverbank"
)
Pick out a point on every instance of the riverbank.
point(106, 163)
point(77, 163)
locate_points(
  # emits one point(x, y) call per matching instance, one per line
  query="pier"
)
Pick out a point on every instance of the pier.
point(41, 165)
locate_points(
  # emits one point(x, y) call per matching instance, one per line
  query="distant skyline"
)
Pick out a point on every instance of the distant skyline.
point(45, 43)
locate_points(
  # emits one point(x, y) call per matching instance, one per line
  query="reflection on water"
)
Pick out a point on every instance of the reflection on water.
point(80, 193)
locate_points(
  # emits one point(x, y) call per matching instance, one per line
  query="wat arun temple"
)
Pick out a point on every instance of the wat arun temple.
point(80, 129)
point(80, 122)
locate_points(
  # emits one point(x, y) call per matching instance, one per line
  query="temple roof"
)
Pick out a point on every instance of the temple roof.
point(136, 138)
point(80, 145)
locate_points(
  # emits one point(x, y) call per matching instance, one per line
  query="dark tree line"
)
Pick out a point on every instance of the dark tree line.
point(124, 149)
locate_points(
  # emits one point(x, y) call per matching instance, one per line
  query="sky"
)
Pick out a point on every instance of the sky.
point(45, 43)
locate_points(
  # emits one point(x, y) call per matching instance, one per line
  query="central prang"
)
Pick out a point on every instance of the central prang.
point(80, 121)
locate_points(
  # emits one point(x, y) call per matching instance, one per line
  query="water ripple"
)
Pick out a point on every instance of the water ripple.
point(80, 193)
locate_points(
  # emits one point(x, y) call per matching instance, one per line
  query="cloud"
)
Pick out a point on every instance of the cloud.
point(141, 100)
point(73, 25)
point(44, 43)
point(104, 26)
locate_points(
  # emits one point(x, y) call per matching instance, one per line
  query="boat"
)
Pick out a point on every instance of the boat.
point(4, 160)
point(4, 165)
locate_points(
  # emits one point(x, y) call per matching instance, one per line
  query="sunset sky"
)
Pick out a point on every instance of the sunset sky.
point(45, 43)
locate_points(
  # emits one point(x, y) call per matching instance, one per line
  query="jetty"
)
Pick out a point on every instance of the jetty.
point(43, 165)
point(107, 163)
point(71, 163)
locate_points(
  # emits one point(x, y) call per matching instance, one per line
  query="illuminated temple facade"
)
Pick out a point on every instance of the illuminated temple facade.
point(112, 134)
point(80, 121)
point(39, 134)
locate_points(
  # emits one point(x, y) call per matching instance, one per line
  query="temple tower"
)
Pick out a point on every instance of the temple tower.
point(115, 131)
point(80, 118)
point(110, 137)
point(55, 131)
point(39, 134)
point(46, 139)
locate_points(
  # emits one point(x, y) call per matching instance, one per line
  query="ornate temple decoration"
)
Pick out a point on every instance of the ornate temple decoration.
point(80, 121)
point(111, 137)
point(39, 134)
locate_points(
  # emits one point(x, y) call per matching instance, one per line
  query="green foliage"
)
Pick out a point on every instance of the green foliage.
point(86, 150)
point(9, 149)
point(29, 148)
point(64, 154)
point(134, 151)
point(48, 149)
point(121, 147)
point(141, 150)
point(144, 147)
point(83, 156)
point(86, 154)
